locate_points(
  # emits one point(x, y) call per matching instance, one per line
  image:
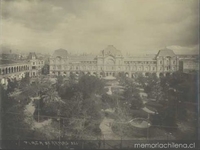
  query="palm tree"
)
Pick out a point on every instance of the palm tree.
point(51, 96)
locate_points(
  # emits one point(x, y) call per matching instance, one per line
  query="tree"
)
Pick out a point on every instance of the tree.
point(37, 88)
point(108, 101)
point(51, 101)
point(123, 79)
point(68, 90)
point(83, 115)
point(176, 90)
point(59, 82)
point(72, 78)
point(51, 96)
point(157, 92)
point(132, 97)
point(12, 84)
point(151, 81)
point(45, 69)
point(141, 79)
point(4, 98)
point(24, 81)
point(89, 85)
point(13, 125)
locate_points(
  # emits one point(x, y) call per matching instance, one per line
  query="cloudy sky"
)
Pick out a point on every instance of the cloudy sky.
point(132, 26)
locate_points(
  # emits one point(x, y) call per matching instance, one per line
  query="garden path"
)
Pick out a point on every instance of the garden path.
point(29, 111)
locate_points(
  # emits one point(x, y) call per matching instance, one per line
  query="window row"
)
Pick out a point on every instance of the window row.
point(167, 62)
point(39, 62)
point(140, 62)
point(167, 68)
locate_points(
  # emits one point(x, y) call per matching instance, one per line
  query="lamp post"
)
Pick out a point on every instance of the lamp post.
point(169, 135)
point(148, 130)
point(59, 126)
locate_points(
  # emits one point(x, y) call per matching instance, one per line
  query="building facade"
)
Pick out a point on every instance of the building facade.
point(36, 65)
point(189, 65)
point(110, 62)
point(13, 70)
point(17, 69)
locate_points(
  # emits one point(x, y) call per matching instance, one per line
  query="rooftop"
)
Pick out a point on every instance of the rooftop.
point(139, 59)
point(60, 53)
point(31, 55)
point(110, 50)
point(82, 58)
point(165, 52)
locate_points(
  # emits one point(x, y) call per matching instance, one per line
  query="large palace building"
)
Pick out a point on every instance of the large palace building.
point(111, 62)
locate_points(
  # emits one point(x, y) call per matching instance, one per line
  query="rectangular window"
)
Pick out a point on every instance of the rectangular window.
point(59, 67)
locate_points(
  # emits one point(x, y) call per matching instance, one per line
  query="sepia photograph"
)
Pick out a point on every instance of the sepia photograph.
point(99, 74)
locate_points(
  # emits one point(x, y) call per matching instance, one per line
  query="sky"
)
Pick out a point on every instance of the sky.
point(88, 26)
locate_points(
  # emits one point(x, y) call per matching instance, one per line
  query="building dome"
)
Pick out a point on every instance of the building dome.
point(60, 53)
point(110, 50)
point(165, 52)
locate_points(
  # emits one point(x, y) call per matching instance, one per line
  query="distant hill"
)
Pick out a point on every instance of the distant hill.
point(193, 52)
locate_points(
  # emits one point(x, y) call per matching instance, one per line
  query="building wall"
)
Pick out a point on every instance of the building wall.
point(32, 66)
point(112, 65)
point(35, 67)
point(189, 65)
point(36, 64)
point(16, 70)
